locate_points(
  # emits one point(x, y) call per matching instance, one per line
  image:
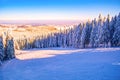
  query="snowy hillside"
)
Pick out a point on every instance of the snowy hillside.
point(63, 64)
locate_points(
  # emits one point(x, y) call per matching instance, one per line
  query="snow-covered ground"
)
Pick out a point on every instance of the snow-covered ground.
point(63, 64)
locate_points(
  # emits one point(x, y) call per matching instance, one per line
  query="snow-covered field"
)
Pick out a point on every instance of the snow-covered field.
point(63, 64)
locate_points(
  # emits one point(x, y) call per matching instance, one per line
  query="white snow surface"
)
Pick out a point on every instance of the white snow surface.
point(63, 64)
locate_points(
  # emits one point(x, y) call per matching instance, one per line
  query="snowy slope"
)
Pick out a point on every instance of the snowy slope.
point(63, 64)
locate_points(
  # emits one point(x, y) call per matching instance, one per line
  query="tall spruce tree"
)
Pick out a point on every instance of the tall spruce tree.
point(112, 29)
point(116, 36)
point(83, 36)
point(100, 30)
point(1, 50)
point(78, 35)
point(94, 33)
point(9, 51)
point(106, 32)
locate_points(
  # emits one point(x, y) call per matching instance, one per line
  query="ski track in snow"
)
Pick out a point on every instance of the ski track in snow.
point(63, 64)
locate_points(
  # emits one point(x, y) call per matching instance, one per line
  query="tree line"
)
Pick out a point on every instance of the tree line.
point(101, 32)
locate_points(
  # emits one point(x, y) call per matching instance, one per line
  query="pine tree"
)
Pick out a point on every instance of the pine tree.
point(116, 36)
point(78, 35)
point(70, 37)
point(100, 30)
point(83, 36)
point(54, 40)
point(60, 38)
point(9, 51)
point(92, 36)
point(106, 32)
point(94, 42)
point(112, 29)
point(1, 50)
point(88, 31)
point(108, 29)
point(65, 38)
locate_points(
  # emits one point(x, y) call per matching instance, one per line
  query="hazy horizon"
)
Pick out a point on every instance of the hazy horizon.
point(41, 22)
point(57, 9)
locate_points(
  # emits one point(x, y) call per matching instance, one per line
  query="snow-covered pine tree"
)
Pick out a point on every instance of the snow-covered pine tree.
point(56, 35)
point(51, 40)
point(65, 37)
point(1, 50)
point(100, 28)
point(106, 32)
point(17, 46)
point(88, 31)
point(9, 51)
point(112, 29)
point(74, 36)
point(44, 41)
point(70, 37)
point(36, 43)
point(26, 44)
point(62, 38)
point(59, 38)
point(116, 36)
point(47, 40)
point(108, 27)
point(94, 34)
point(40, 42)
point(78, 35)
point(83, 36)
point(54, 40)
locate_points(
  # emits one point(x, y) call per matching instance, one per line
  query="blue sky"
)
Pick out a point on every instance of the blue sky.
point(57, 9)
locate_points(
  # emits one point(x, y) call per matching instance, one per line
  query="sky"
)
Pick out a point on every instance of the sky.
point(57, 9)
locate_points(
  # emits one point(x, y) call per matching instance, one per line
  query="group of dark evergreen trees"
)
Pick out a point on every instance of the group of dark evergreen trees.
point(101, 32)
point(6, 47)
